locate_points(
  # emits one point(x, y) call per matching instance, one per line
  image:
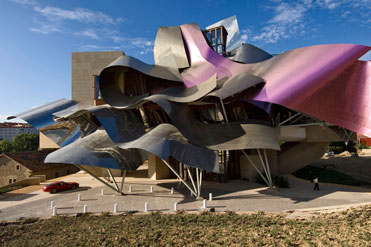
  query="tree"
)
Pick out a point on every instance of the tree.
point(25, 142)
point(6, 146)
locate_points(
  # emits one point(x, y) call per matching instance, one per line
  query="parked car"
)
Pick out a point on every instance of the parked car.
point(60, 186)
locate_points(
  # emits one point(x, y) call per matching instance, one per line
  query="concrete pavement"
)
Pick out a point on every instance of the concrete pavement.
point(237, 195)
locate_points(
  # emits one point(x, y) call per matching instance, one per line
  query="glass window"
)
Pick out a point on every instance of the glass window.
point(97, 89)
point(208, 36)
point(213, 37)
point(219, 36)
point(219, 49)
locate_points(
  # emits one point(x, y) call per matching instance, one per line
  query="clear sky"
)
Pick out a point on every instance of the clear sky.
point(38, 36)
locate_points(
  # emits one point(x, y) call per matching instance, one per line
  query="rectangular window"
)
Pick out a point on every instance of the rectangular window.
point(96, 88)
point(17, 167)
point(10, 181)
point(213, 40)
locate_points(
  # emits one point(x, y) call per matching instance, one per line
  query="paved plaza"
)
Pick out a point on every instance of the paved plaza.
point(236, 195)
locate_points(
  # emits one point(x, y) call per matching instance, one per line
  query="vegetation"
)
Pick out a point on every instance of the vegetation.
point(327, 176)
point(21, 142)
point(347, 228)
point(339, 147)
point(364, 146)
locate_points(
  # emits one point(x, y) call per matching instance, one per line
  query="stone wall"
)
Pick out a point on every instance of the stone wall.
point(55, 172)
point(11, 171)
point(84, 66)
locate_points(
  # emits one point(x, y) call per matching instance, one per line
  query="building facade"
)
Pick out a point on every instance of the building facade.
point(204, 109)
point(9, 130)
point(17, 166)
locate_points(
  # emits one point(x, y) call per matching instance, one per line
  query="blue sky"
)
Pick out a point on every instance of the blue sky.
point(38, 36)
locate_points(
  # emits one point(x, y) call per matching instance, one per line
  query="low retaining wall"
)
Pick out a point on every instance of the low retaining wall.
point(24, 182)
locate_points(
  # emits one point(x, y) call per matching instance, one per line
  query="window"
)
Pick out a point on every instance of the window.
point(97, 94)
point(17, 167)
point(10, 181)
point(14, 180)
point(217, 39)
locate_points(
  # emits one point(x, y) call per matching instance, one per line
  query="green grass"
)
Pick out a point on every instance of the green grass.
point(2, 191)
point(327, 176)
point(349, 228)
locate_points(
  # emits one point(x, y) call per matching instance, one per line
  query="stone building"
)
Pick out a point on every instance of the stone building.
point(17, 166)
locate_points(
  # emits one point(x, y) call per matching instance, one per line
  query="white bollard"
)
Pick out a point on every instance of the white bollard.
point(85, 209)
point(130, 189)
point(146, 207)
point(78, 197)
point(54, 211)
point(102, 192)
point(151, 188)
point(204, 204)
point(115, 208)
point(52, 204)
point(175, 206)
point(210, 196)
point(172, 191)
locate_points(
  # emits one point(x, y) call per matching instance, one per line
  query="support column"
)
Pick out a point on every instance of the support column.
point(97, 178)
point(122, 181)
point(184, 182)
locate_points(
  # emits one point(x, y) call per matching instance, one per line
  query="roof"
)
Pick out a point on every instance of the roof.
point(15, 125)
point(33, 160)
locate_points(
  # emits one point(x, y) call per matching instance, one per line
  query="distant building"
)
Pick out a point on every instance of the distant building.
point(17, 166)
point(9, 130)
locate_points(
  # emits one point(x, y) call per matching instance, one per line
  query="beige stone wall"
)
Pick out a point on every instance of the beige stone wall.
point(45, 142)
point(300, 155)
point(157, 169)
point(84, 66)
point(8, 171)
point(248, 171)
point(57, 171)
point(23, 182)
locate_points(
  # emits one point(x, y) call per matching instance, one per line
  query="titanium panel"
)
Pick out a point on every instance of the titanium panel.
point(247, 53)
point(42, 116)
point(157, 71)
point(97, 149)
point(296, 80)
point(181, 95)
point(169, 48)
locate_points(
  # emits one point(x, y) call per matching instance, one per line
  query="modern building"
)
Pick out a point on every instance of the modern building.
point(207, 111)
point(17, 166)
point(9, 130)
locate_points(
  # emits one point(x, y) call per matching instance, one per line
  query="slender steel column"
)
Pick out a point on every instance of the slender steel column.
point(181, 179)
point(113, 179)
point(200, 185)
point(256, 168)
point(97, 178)
point(190, 175)
point(285, 121)
point(122, 181)
point(268, 168)
point(265, 169)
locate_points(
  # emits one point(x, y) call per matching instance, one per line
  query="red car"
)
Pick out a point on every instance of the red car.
point(59, 186)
